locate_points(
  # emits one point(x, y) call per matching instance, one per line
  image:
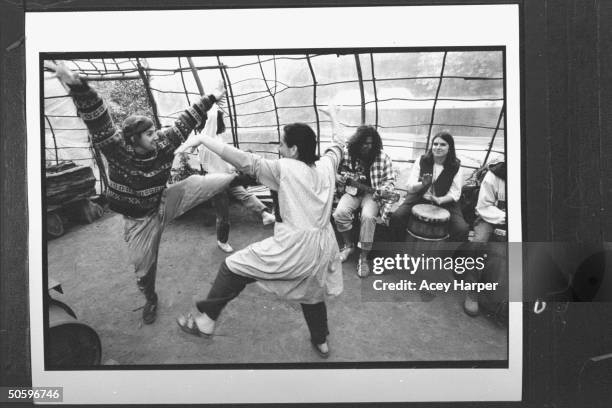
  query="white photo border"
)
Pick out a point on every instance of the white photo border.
point(277, 29)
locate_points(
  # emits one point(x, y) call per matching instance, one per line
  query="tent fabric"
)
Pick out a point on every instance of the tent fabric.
point(409, 96)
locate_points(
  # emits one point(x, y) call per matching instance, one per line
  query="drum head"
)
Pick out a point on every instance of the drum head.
point(430, 213)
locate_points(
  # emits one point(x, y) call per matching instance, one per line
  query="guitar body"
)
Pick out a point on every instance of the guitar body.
point(354, 186)
point(349, 186)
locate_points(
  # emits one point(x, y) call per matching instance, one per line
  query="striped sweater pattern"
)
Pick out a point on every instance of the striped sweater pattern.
point(136, 181)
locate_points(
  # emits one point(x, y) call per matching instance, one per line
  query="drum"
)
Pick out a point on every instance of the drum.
point(428, 223)
point(495, 303)
point(70, 343)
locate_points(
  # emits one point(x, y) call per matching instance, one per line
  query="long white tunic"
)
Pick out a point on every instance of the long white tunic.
point(301, 261)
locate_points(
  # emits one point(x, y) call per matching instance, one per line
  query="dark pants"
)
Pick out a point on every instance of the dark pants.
point(458, 229)
point(228, 285)
point(222, 202)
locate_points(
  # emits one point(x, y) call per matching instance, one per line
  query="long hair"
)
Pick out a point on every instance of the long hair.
point(359, 138)
point(451, 159)
point(302, 136)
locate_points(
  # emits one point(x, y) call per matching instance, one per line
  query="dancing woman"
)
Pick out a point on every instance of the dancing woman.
point(301, 261)
point(436, 178)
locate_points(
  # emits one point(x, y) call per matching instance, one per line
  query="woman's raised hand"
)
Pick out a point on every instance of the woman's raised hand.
point(331, 110)
point(337, 131)
point(426, 179)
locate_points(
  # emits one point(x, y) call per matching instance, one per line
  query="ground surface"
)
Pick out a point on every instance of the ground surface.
point(90, 262)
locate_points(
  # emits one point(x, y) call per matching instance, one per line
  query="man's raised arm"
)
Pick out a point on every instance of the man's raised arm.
point(194, 117)
point(91, 109)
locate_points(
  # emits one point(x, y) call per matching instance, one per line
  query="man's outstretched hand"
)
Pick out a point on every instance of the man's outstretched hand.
point(63, 73)
point(219, 93)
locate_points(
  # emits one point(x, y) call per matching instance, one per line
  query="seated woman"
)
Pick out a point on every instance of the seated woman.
point(436, 179)
point(301, 262)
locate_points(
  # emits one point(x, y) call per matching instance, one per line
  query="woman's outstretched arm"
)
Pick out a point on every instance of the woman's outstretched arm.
point(265, 171)
point(335, 151)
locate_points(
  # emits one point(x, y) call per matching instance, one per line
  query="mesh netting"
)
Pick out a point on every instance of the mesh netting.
point(408, 96)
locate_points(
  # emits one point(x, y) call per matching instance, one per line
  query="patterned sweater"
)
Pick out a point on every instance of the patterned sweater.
point(136, 181)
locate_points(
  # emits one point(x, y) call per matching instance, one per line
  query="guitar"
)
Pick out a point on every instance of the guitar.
point(354, 187)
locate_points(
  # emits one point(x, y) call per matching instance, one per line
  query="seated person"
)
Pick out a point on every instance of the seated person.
point(212, 163)
point(491, 212)
point(436, 179)
point(365, 161)
point(491, 206)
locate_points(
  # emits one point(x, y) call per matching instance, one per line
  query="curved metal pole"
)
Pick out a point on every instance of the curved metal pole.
point(145, 80)
point(314, 103)
point(183, 81)
point(433, 110)
point(196, 76)
point(54, 139)
point(263, 75)
point(375, 92)
point(501, 115)
point(361, 90)
point(233, 119)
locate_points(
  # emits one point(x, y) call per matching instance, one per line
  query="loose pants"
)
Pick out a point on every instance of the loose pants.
point(143, 235)
point(344, 216)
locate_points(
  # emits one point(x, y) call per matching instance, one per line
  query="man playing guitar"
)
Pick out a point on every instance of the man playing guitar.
point(366, 173)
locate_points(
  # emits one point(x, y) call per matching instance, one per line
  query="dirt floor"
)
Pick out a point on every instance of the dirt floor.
point(90, 263)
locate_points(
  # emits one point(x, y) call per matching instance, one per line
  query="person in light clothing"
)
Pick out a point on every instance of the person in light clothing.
point(212, 163)
point(491, 214)
point(491, 205)
point(301, 261)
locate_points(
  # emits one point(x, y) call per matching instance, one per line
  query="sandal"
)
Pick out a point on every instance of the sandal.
point(188, 325)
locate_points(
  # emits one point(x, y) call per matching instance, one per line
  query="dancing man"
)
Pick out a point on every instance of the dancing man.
point(300, 262)
point(139, 158)
point(365, 161)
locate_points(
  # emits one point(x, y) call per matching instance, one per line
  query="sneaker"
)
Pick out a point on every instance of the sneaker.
point(363, 267)
point(225, 246)
point(267, 218)
point(321, 349)
point(149, 311)
point(346, 252)
point(470, 305)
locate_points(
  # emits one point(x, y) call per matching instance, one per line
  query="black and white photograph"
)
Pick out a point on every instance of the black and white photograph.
point(398, 93)
point(399, 202)
point(275, 208)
